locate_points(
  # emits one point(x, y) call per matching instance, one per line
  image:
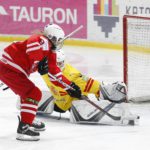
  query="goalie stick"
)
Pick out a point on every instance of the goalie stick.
point(88, 100)
point(101, 109)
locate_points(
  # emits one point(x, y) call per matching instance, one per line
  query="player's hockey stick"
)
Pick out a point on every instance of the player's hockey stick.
point(88, 100)
point(71, 34)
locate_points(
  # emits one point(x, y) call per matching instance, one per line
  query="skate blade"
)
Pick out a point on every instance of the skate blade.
point(23, 137)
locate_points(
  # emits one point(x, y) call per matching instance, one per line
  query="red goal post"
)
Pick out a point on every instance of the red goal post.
point(136, 57)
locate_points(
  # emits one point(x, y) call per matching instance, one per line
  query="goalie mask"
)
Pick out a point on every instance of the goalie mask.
point(55, 34)
point(60, 59)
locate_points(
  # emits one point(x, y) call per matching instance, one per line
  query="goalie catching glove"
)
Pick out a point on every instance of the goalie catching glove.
point(74, 91)
point(43, 66)
point(115, 92)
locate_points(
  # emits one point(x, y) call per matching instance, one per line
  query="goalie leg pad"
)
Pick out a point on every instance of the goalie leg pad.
point(46, 105)
point(83, 112)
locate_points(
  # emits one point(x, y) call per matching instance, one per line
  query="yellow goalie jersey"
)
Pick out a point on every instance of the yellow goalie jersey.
point(62, 99)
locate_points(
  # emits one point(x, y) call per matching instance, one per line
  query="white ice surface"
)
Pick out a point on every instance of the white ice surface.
point(102, 64)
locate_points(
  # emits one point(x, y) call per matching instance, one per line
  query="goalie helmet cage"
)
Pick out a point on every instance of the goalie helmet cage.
point(136, 51)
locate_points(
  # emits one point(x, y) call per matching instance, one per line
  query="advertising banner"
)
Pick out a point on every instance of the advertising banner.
point(19, 17)
point(103, 20)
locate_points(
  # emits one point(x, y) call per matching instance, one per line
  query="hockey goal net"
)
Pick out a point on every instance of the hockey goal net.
point(136, 45)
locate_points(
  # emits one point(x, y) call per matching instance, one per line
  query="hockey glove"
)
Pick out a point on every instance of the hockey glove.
point(43, 66)
point(115, 92)
point(74, 91)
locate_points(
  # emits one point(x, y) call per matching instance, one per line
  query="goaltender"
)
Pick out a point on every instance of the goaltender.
point(63, 101)
point(110, 98)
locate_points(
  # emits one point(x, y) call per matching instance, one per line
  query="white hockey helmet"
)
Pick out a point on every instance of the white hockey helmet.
point(60, 57)
point(55, 34)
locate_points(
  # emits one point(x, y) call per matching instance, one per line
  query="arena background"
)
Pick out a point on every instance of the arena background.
point(102, 19)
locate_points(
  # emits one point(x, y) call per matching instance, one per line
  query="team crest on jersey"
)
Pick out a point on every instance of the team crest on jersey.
point(53, 90)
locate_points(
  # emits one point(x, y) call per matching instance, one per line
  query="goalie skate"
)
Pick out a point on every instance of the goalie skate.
point(130, 120)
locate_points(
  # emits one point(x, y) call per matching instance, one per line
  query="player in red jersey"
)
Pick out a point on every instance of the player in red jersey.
point(19, 60)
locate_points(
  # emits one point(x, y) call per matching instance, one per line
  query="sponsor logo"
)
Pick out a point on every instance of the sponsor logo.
point(106, 13)
point(134, 10)
point(41, 14)
point(53, 90)
point(3, 11)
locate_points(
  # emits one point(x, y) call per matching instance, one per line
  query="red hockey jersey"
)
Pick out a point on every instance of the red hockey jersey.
point(24, 57)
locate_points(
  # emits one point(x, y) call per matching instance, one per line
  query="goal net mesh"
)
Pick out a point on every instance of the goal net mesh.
point(137, 57)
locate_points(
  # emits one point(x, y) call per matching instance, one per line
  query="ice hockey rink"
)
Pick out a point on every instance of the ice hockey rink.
point(101, 64)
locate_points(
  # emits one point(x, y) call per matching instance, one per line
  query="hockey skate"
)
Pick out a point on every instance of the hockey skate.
point(38, 125)
point(26, 133)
